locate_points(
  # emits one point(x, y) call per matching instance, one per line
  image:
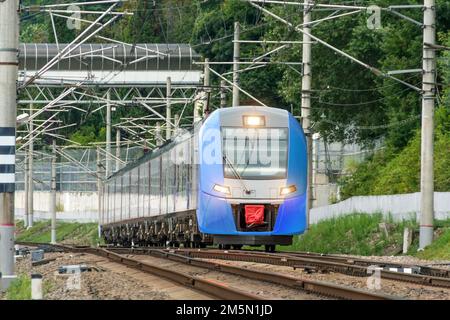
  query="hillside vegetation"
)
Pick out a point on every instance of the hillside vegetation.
point(66, 232)
point(349, 103)
point(361, 234)
point(397, 170)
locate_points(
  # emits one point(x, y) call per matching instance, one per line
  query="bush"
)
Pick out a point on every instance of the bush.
point(388, 173)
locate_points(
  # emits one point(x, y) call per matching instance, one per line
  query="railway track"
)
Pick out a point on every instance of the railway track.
point(351, 267)
point(211, 288)
point(357, 267)
point(423, 270)
point(221, 291)
point(428, 276)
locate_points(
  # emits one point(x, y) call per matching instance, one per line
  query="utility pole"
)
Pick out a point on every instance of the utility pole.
point(236, 60)
point(206, 87)
point(9, 43)
point(223, 95)
point(108, 133)
point(99, 190)
point(306, 99)
point(197, 106)
point(428, 96)
point(158, 134)
point(30, 173)
point(53, 193)
point(117, 149)
point(168, 108)
point(176, 119)
point(26, 181)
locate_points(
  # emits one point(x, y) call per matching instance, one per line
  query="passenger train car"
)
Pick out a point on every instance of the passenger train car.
point(237, 178)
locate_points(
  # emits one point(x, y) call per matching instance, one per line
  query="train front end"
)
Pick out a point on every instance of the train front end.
point(252, 177)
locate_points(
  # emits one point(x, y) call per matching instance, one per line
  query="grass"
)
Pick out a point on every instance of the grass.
point(20, 289)
point(360, 234)
point(357, 234)
point(440, 248)
point(77, 233)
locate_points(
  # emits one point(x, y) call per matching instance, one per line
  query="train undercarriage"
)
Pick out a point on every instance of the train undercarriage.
point(170, 230)
point(179, 229)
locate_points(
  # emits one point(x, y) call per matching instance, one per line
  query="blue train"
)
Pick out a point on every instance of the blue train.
point(237, 178)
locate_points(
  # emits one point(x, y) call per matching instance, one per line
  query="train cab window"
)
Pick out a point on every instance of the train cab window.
point(255, 153)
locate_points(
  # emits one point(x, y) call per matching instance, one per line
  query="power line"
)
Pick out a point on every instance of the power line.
point(373, 127)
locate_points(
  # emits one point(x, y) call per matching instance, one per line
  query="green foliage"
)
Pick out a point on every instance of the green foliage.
point(87, 134)
point(440, 248)
point(34, 33)
point(76, 233)
point(346, 99)
point(356, 233)
point(397, 170)
point(358, 181)
point(399, 173)
point(20, 289)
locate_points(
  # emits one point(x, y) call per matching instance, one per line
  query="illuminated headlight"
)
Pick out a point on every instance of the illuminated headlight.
point(288, 190)
point(254, 121)
point(222, 189)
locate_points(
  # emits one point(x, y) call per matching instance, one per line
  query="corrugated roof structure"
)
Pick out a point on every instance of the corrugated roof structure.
point(138, 64)
point(33, 56)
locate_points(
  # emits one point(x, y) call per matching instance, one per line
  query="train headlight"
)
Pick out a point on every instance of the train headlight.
point(254, 121)
point(222, 189)
point(288, 190)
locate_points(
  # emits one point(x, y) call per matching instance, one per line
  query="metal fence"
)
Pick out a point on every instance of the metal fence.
point(70, 176)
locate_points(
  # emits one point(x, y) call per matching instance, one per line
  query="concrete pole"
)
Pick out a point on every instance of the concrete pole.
point(428, 96)
point(197, 106)
point(223, 95)
point(236, 60)
point(53, 194)
point(26, 182)
point(306, 100)
point(30, 174)
point(9, 43)
point(175, 120)
point(315, 161)
point(36, 287)
point(158, 134)
point(108, 134)
point(168, 108)
point(117, 149)
point(206, 86)
point(99, 191)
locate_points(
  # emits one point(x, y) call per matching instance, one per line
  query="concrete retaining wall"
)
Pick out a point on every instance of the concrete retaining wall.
point(71, 206)
point(400, 206)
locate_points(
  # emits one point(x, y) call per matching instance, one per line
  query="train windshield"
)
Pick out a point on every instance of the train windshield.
point(255, 153)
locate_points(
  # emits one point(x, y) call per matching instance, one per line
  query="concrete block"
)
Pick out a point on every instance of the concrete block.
point(407, 239)
point(5, 282)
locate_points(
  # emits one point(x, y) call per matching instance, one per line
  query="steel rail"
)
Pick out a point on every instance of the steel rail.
point(212, 288)
point(316, 262)
point(312, 286)
point(216, 289)
point(300, 262)
point(424, 270)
